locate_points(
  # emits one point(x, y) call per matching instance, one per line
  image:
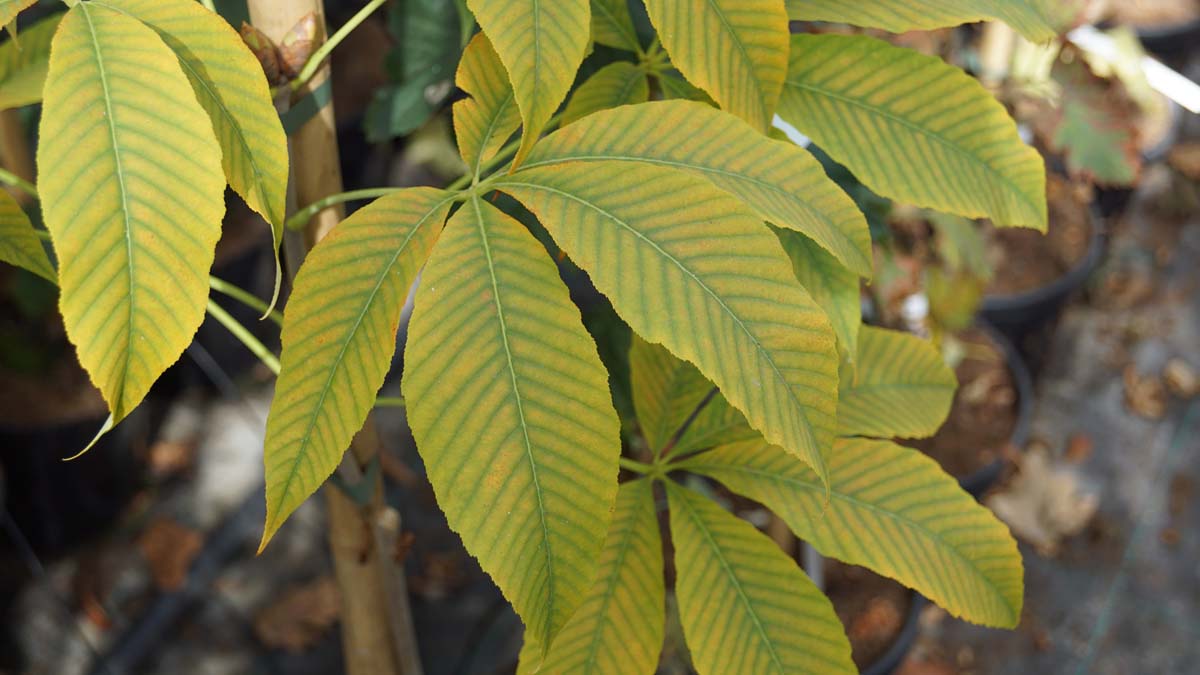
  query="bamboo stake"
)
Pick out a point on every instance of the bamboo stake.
point(377, 629)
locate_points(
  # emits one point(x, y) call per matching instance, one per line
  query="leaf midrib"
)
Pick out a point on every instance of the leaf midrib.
point(817, 460)
point(809, 486)
point(385, 271)
point(735, 582)
point(731, 175)
point(762, 103)
point(118, 404)
point(220, 103)
point(498, 113)
point(537, 486)
point(957, 149)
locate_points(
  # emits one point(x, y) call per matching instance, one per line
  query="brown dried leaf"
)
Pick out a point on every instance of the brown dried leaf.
point(169, 547)
point(301, 615)
point(1181, 378)
point(1045, 503)
point(1145, 396)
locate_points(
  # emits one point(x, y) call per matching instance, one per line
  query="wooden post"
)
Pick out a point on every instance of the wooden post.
point(377, 629)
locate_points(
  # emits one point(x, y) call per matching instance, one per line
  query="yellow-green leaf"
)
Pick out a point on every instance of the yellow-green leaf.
point(834, 287)
point(510, 407)
point(9, 9)
point(618, 630)
point(735, 50)
point(744, 605)
point(339, 335)
point(780, 181)
point(23, 64)
point(674, 86)
point(1035, 19)
point(483, 122)
point(913, 128)
point(230, 85)
point(133, 195)
point(668, 392)
point(19, 243)
point(612, 25)
point(900, 387)
point(541, 43)
point(688, 267)
point(616, 84)
point(892, 509)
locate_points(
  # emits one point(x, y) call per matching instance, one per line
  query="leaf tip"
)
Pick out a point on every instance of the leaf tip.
point(104, 429)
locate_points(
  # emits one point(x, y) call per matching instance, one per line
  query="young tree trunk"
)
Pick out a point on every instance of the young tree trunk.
point(377, 629)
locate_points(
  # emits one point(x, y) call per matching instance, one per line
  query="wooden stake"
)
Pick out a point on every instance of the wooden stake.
point(377, 628)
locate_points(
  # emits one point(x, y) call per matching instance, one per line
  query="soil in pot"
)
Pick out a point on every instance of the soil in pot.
point(873, 609)
point(1024, 260)
point(984, 414)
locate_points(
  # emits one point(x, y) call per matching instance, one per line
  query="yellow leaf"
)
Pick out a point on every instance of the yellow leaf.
point(688, 267)
point(744, 605)
point(133, 196)
point(735, 50)
point(612, 25)
point(618, 630)
point(781, 182)
point(834, 287)
point(339, 334)
point(23, 64)
point(541, 43)
point(1035, 19)
point(900, 387)
point(913, 128)
point(617, 84)
point(483, 122)
point(892, 509)
point(510, 408)
point(9, 9)
point(19, 243)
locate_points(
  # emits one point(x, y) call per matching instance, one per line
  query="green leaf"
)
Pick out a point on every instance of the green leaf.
point(1096, 130)
point(426, 33)
point(674, 86)
point(831, 285)
point(19, 243)
point(780, 181)
point(485, 121)
point(913, 128)
point(509, 404)
point(398, 110)
point(612, 25)
point(541, 43)
point(1033, 18)
point(892, 509)
point(9, 9)
point(339, 334)
point(900, 387)
point(133, 195)
point(618, 630)
point(735, 50)
point(229, 83)
point(668, 391)
point(23, 64)
point(690, 268)
point(745, 606)
point(616, 84)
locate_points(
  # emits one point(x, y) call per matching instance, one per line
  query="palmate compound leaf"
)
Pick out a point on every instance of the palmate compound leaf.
point(133, 195)
point(24, 62)
point(510, 408)
point(618, 630)
point(483, 122)
point(689, 267)
point(893, 510)
point(1035, 19)
point(9, 9)
point(339, 334)
point(736, 50)
point(913, 128)
point(744, 605)
point(900, 387)
point(19, 243)
point(612, 24)
point(617, 84)
point(834, 287)
point(669, 393)
point(781, 182)
point(230, 85)
point(541, 43)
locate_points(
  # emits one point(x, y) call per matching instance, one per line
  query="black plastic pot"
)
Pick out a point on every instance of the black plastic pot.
point(1021, 314)
point(983, 479)
point(895, 654)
